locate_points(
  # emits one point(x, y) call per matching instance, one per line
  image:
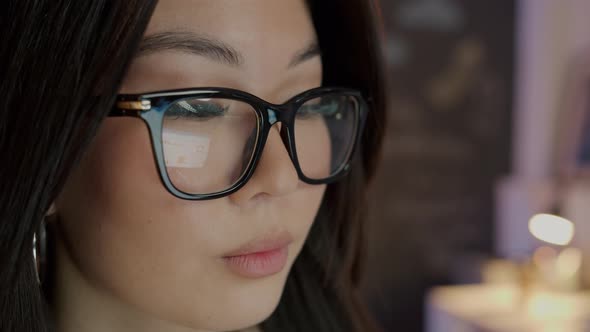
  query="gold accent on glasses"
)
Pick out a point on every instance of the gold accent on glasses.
point(142, 105)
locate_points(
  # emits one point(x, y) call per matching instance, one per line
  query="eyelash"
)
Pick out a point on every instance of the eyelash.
point(204, 110)
point(327, 109)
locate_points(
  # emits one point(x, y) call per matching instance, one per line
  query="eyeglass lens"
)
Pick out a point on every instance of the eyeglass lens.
point(208, 143)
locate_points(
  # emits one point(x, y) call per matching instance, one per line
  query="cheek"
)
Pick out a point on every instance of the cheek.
point(132, 239)
point(126, 233)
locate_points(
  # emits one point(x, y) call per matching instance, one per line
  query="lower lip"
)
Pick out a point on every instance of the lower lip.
point(259, 264)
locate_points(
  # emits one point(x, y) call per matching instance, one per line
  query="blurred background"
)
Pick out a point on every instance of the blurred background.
point(478, 214)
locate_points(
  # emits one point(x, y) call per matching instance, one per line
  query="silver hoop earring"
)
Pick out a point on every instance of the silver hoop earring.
point(40, 251)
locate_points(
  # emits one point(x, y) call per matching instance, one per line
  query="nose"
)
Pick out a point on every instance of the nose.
point(275, 174)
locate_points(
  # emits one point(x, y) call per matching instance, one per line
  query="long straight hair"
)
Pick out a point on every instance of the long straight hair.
point(63, 62)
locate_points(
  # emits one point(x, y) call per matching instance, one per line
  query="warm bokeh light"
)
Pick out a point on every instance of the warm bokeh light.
point(552, 229)
point(568, 262)
point(544, 258)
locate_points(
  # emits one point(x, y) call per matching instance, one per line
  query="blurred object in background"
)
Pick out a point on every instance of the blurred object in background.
point(497, 308)
point(477, 188)
point(551, 148)
point(551, 166)
point(451, 65)
point(541, 293)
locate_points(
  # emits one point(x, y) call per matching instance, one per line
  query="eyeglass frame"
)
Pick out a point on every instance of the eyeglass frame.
point(152, 106)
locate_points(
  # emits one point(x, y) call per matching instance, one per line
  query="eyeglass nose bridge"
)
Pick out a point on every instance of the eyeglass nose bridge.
point(281, 115)
point(272, 116)
point(278, 113)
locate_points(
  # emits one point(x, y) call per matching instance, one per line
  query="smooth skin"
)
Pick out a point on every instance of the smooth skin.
point(132, 257)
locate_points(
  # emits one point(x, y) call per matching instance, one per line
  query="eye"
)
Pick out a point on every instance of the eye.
point(325, 107)
point(197, 109)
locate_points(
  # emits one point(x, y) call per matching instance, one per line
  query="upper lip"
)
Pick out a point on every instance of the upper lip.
point(262, 244)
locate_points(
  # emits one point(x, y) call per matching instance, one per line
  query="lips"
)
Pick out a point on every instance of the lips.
point(261, 257)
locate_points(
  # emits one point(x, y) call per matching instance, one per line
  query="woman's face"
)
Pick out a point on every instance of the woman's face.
point(131, 255)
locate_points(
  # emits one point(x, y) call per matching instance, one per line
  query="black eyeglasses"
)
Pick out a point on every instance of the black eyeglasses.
point(208, 141)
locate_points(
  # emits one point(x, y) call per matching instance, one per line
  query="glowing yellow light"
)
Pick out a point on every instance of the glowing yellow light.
point(552, 229)
point(568, 262)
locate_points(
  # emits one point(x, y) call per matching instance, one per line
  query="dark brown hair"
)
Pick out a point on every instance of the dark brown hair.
point(63, 62)
point(322, 290)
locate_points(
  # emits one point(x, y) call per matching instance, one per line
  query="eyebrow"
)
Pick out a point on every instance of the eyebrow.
point(214, 49)
point(311, 51)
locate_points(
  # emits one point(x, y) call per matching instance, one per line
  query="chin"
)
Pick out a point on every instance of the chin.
point(258, 299)
point(246, 303)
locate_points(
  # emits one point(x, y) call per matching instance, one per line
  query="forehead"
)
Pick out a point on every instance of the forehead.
point(254, 27)
point(266, 47)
